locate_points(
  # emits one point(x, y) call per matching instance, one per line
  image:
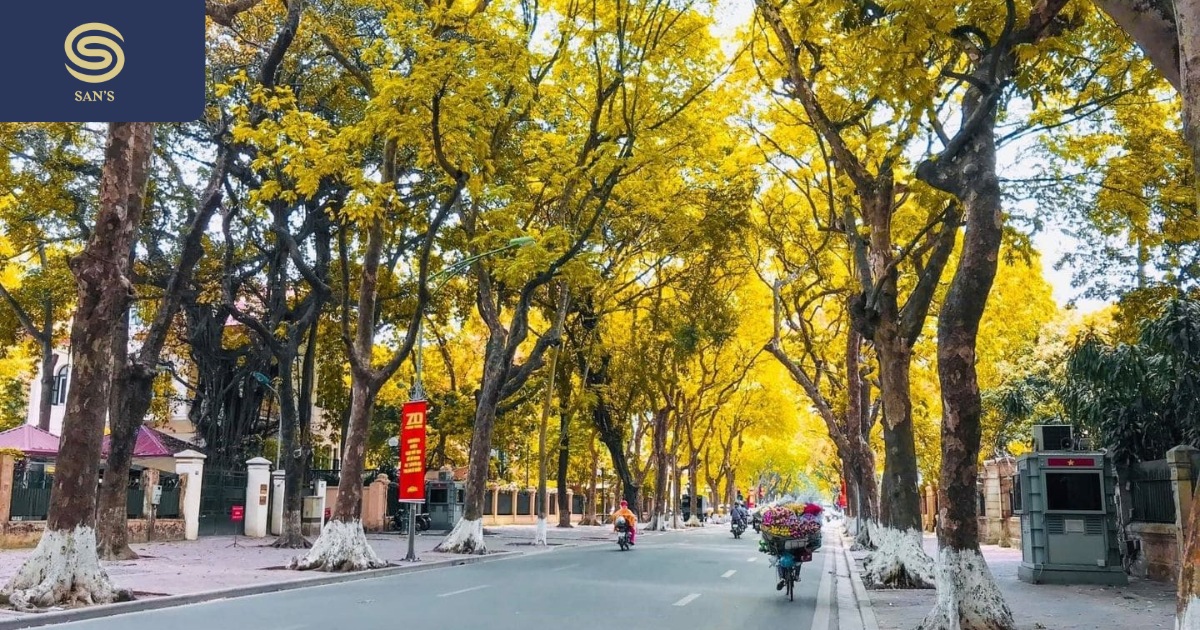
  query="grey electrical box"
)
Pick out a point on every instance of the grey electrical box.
point(1067, 503)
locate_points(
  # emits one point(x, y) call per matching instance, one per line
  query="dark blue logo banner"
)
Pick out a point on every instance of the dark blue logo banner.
point(115, 61)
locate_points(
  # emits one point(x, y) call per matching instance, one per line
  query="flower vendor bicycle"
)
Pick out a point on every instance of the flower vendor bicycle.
point(790, 534)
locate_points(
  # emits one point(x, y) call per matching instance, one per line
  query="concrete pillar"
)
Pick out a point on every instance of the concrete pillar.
point(277, 502)
point(320, 493)
point(495, 503)
point(258, 492)
point(516, 513)
point(189, 465)
point(1179, 459)
point(8, 461)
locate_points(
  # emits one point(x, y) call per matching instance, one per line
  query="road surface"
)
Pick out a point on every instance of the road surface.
point(695, 580)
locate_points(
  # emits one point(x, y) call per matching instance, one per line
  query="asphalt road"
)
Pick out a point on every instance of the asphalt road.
point(674, 581)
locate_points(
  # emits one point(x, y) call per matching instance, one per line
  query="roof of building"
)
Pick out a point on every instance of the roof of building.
point(30, 440)
point(154, 443)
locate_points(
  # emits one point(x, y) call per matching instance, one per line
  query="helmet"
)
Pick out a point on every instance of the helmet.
point(621, 520)
point(624, 503)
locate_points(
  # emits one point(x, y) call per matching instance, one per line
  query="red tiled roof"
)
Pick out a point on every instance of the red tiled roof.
point(153, 443)
point(30, 440)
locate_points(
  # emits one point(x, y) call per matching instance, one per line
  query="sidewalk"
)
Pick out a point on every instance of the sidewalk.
point(212, 563)
point(1141, 604)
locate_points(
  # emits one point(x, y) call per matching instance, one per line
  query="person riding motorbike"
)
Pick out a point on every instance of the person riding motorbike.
point(630, 519)
point(740, 514)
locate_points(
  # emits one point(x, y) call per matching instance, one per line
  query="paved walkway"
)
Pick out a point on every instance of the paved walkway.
point(1142, 604)
point(213, 563)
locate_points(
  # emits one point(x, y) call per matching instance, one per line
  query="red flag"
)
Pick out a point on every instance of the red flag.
point(412, 452)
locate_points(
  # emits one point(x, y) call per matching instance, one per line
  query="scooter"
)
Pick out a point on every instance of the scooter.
point(738, 528)
point(400, 520)
point(757, 523)
point(623, 535)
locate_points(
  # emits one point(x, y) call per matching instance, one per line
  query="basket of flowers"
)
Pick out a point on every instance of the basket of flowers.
point(795, 527)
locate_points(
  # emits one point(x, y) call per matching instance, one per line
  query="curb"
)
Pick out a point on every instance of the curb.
point(110, 610)
point(865, 609)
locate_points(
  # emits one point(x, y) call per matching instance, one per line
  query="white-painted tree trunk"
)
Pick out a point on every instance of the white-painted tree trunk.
point(657, 523)
point(63, 570)
point(898, 561)
point(968, 598)
point(341, 547)
point(694, 521)
point(1189, 617)
point(539, 533)
point(465, 538)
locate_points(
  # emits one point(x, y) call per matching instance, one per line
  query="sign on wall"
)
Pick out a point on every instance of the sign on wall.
point(412, 451)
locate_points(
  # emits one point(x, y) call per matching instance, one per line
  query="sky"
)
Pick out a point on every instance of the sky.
point(1052, 241)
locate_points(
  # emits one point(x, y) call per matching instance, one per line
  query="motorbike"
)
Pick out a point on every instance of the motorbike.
point(738, 527)
point(623, 534)
point(757, 523)
point(400, 520)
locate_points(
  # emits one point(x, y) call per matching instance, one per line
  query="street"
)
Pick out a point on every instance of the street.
point(672, 581)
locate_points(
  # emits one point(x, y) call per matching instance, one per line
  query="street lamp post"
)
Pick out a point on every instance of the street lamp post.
point(266, 382)
point(417, 393)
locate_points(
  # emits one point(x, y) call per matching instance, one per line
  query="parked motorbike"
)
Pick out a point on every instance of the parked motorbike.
point(738, 528)
point(623, 534)
point(400, 520)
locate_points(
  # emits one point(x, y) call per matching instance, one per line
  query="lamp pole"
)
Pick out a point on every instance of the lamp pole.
point(266, 382)
point(417, 393)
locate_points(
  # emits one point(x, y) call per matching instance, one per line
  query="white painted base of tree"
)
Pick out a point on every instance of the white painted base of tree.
point(657, 523)
point(63, 570)
point(967, 598)
point(1189, 618)
point(694, 521)
point(862, 535)
point(898, 561)
point(341, 547)
point(539, 533)
point(465, 538)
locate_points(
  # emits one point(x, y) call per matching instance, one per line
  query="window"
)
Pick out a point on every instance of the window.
point(1074, 492)
point(58, 395)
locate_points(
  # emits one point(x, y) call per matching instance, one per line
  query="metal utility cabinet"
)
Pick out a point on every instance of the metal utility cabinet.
point(444, 499)
point(1067, 503)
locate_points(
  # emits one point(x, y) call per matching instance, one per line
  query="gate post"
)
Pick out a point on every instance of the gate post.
point(7, 464)
point(257, 492)
point(1182, 487)
point(277, 502)
point(189, 465)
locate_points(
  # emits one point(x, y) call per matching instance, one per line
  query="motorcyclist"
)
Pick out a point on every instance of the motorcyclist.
point(740, 514)
point(630, 519)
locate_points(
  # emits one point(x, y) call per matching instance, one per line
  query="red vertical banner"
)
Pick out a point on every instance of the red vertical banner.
point(412, 451)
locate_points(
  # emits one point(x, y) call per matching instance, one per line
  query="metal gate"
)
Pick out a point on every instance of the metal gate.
point(220, 492)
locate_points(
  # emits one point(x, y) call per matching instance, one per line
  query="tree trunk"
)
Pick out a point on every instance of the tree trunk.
point(64, 568)
point(543, 456)
point(49, 363)
point(968, 597)
point(295, 462)
point(1187, 615)
point(112, 532)
point(564, 461)
point(467, 536)
point(589, 507)
point(659, 455)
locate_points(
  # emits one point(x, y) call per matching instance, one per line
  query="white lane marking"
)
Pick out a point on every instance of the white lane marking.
point(828, 574)
point(728, 573)
point(752, 559)
point(687, 600)
point(465, 590)
point(564, 568)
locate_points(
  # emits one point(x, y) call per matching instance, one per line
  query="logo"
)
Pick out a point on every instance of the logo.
point(107, 52)
point(83, 60)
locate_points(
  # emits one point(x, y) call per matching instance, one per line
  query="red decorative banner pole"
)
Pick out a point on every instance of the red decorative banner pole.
point(412, 465)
